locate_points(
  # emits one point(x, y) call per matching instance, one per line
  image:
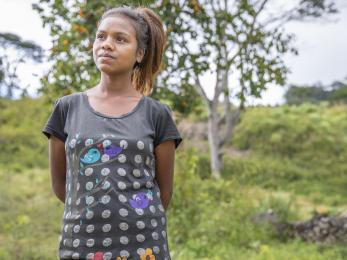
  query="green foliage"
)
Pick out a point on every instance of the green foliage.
point(22, 143)
point(334, 93)
point(319, 182)
point(73, 24)
point(29, 215)
point(258, 48)
point(299, 149)
point(31, 49)
point(308, 132)
point(207, 218)
point(339, 93)
point(8, 65)
point(297, 95)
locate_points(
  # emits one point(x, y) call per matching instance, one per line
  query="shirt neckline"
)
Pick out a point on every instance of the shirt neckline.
point(85, 98)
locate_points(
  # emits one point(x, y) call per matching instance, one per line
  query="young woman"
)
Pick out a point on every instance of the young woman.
point(112, 147)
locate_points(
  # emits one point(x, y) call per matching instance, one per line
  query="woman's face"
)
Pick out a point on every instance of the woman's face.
point(116, 38)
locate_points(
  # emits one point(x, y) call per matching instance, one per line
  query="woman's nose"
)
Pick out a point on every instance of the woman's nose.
point(107, 43)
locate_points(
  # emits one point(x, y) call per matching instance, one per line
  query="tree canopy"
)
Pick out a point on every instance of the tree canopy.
point(9, 80)
point(336, 92)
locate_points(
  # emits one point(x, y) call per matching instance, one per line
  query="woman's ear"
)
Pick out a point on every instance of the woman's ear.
point(140, 55)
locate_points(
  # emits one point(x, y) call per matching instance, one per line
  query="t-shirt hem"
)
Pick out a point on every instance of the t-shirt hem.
point(176, 138)
point(48, 131)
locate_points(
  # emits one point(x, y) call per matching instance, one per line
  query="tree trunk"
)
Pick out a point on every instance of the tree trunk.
point(216, 138)
point(213, 139)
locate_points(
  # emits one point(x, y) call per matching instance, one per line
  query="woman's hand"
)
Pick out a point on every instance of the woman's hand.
point(165, 161)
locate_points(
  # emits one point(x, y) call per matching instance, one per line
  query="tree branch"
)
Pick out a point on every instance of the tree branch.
point(200, 90)
point(262, 6)
point(231, 119)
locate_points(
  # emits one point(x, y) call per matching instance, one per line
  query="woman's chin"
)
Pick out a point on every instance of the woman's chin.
point(107, 69)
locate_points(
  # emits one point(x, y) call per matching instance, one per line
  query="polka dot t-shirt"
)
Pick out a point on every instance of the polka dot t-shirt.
point(112, 206)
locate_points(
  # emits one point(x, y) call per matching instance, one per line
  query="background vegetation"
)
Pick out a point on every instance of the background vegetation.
point(290, 158)
point(293, 163)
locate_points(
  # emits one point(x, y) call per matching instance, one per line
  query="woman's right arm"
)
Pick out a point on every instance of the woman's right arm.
point(57, 165)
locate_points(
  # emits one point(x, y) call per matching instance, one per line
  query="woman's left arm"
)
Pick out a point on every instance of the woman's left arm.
point(165, 162)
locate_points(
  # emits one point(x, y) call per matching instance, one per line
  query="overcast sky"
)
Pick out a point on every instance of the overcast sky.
point(322, 49)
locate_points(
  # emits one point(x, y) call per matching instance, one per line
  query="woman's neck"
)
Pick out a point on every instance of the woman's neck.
point(119, 85)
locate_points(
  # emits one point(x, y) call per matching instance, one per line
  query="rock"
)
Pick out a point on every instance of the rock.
point(321, 228)
point(265, 217)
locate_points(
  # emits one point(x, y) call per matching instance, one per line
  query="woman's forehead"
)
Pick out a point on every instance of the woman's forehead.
point(116, 25)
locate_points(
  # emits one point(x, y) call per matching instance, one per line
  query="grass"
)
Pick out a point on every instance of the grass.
point(294, 166)
point(207, 219)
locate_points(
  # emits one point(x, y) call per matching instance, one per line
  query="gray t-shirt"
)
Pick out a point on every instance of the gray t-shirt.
point(112, 203)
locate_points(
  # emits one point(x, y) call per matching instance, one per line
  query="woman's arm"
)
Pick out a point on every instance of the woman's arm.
point(165, 160)
point(57, 165)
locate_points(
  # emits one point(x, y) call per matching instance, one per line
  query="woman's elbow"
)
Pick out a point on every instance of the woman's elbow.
point(58, 189)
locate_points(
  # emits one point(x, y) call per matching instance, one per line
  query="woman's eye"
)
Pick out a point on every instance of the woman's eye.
point(101, 36)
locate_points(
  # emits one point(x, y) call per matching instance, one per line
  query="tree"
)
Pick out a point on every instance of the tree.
point(8, 66)
point(338, 92)
point(243, 38)
point(335, 92)
point(297, 95)
point(240, 37)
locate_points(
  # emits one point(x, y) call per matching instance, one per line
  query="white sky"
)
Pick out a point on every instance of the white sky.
point(322, 49)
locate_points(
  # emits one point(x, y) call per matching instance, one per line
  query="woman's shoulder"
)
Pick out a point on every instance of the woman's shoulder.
point(156, 104)
point(70, 99)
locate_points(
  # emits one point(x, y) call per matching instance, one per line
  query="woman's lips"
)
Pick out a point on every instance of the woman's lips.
point(106, 58)
point(106, 55)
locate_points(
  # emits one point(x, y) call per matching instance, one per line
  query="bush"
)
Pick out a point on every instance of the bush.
point(307, 132)
point(23, 145)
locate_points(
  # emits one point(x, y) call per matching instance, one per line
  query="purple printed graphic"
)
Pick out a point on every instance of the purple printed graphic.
point(140, 201)
point(112, 150)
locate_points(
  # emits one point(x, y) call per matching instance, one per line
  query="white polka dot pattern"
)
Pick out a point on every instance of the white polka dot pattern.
point(105, 171)
point(106, 228)
point(124, 240)
point(124, 253)
point(140, 224)
point(123, 212)
point(90, 242)
point(107, 242)
point(122, 198)
point(140, 237)
point(123, 226)
point(106, 213)
point(121, 172)
point(121, 185)
point(141, 251)
point(90, 228)
point(89, 214)
point(113, 204)
point(136, 173)
point(136, 185)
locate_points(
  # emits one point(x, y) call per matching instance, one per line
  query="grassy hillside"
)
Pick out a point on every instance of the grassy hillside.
point(295, 166)
point(23, 145)
point(298, 149)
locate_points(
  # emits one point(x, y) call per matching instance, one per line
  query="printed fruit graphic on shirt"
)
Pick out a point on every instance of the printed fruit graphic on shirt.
point(98, 256)
point(139, 201)
point(112, 150)
point(92, 156)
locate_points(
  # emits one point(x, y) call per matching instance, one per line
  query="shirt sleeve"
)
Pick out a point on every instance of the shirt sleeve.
point(166, 128)
point(56, 122)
